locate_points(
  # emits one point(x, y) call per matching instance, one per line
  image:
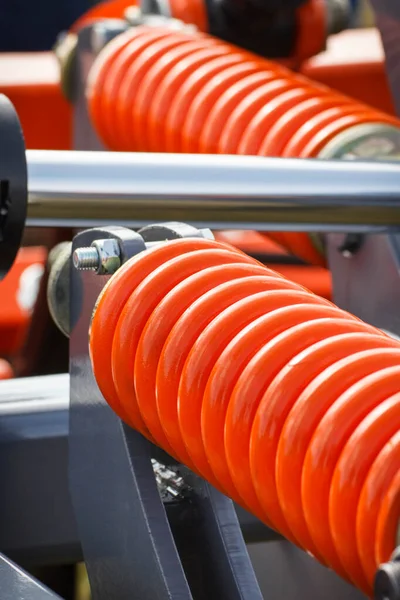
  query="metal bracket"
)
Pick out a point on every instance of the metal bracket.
point(387, 580)
point(366, 279)
point(126, 537)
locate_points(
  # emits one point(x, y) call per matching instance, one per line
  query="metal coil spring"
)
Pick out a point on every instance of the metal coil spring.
point(159, 90)
point(281, 400)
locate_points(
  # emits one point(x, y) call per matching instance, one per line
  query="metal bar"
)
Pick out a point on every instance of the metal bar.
point(34, 449)
point(90, 188)
point(16, 584)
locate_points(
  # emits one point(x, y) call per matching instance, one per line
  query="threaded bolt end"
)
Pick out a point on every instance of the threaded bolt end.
point(86, 259)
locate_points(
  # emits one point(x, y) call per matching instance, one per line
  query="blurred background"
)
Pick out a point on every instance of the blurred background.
point(33, 26)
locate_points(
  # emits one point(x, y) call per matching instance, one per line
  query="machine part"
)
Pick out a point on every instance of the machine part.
point(170, 484)
point(34, 413)
point(13, 185)
point(121, 457)
point(297, 32)
point(65, 50)
point(179, 85)
point(365, 142)
point(58, 288)
point(172, 231)
point(193, 94)
point(387, 581)
point(135, 17)
point(16, 583)
point(338, 16)
point(351, 244)
point(101, 449)
point(185, 310)
point(387, 19)
point(376, 260)
point(212, 191)
point(103, 257)
point(34, 449)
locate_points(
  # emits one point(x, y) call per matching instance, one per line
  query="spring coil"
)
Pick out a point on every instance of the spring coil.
point(158, 90)
point(281, 400)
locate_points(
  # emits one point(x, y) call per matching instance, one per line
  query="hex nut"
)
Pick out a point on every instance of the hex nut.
point(109, 256)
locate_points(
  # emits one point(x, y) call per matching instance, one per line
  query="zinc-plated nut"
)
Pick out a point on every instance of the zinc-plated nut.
point(103, 256)
point(109, 256)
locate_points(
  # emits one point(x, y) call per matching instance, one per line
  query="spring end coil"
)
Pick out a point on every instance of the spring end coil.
point(281, 400)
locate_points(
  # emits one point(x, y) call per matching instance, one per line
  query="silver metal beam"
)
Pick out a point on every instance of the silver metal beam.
point(90, 188)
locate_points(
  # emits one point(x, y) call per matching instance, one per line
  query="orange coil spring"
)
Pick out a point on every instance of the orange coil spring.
point(281, 400)
point(158, 90)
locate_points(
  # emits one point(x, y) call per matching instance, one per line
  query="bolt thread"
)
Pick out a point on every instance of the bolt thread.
point(85, 259)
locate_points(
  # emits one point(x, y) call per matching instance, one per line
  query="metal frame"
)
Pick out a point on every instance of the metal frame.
point(34, 427)
point(16, 584)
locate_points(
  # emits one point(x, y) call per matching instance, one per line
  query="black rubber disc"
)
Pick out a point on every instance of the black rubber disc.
point(13, 185)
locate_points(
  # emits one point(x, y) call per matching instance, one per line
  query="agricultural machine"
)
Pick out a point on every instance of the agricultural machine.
point(199, 280)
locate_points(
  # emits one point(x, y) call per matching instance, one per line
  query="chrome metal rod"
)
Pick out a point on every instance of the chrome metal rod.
point(90, 188)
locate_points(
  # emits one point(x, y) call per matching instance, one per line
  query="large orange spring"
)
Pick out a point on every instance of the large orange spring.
point(281, 400)
point(153, 89)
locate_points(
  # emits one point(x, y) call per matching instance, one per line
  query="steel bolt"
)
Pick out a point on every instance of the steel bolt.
point(86, 259)
point(103, 256)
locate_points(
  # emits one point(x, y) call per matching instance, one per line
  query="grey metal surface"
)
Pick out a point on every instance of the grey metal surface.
point(34, 395)
point(212, 191)
point(37, 525)
point(367, 283)
point(16, 584)
point(211, 545)
point(126, 540)
point(84, 135)
point(288, 573)
point(58, 285)
point(387, 18)
point(34, 414)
